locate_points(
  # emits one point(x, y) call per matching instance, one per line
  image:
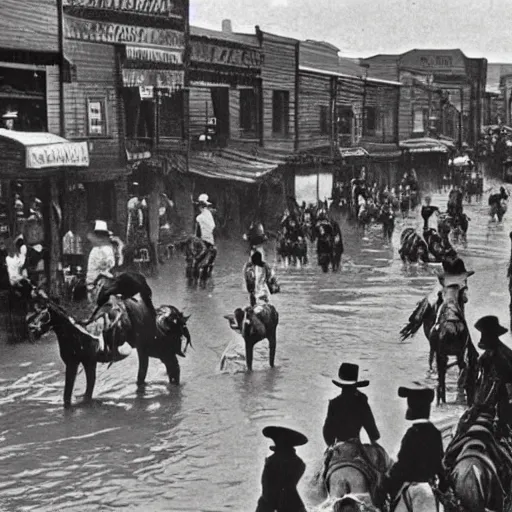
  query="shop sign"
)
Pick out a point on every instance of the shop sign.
point(215, 54)
point(168, 8)
point(347, 152)
point(103, 32)
point(66, 154)
point(162, 78)
point(432, 149)
point(140, 53)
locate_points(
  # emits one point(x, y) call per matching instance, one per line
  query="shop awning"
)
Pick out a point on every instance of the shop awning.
point(383, 150)
point(232, 165)
point(353, 152)
point(27, 151)
point(425, 145)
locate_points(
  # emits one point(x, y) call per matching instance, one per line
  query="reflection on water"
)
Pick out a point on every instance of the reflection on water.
point(199, 447)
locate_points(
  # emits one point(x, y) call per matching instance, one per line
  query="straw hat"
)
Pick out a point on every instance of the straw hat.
point(100, 226)
point(203, 199)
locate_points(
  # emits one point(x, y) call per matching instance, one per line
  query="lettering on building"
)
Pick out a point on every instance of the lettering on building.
point(66, 154)
point(140, 53)
point(102, 32)
point(161, 78)
point(168, 8)
point(214, 54)
point(438, 61)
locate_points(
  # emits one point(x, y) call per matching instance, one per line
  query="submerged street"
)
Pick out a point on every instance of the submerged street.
point(199, 447)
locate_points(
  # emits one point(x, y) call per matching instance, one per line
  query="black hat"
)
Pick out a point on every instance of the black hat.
point(285, 437)
point(454, 272)
point(256, 234)
point(348, 375)
point(419, 399)
point(490, 325)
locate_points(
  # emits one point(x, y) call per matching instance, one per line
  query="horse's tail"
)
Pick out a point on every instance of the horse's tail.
point(416, 319)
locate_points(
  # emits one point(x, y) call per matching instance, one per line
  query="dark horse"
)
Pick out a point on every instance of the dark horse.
point(199, 257)
point(255, 324)
point(479, 466)
point(438, 245)
point(413, 249)
point(292, 251)
point(450, 337)
point(329, 245)
point(118, 325)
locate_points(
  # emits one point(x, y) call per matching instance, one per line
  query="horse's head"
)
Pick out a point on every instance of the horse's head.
point(173, 322)
point(354, 503)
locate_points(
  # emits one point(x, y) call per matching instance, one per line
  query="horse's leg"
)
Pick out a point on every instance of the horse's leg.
point(173, 369)
point(143, 367)
point(90, 375)
point(71, 371)
point(272, 343)
point(249, 348)
point(442, 361)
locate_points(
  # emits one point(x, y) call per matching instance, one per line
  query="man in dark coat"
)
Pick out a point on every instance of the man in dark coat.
point(494, 384)
point(282, 472)
point(427, 211)
point(420, 458)
point(349, 412)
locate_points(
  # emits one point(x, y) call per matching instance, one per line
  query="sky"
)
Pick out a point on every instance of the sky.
point(480, 28)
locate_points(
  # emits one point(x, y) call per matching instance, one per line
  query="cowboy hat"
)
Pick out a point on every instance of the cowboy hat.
point(419, 399)
point(100, 226)
point(454, 272)
point(490, 325)
point(284, 436)
point(203, 199)
point(348, 375)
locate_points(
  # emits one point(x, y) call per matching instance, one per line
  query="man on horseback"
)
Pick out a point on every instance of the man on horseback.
point(256, 237)
point(427, 211)
point(260, 280)
point(349, 412)
point(494, 382)
point(282, 472)
point(420, 458)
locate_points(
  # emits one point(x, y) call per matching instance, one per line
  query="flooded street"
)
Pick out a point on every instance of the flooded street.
point(199, 447)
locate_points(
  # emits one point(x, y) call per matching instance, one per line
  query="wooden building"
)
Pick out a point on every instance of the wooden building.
point(128, 100)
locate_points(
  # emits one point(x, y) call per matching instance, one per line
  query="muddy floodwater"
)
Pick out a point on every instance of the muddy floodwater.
point(199, 447)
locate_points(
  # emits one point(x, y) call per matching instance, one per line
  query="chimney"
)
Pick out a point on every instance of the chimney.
point(226, 27)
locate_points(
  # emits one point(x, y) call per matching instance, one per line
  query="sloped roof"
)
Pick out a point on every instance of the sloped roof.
point(249, 39)
point(31, 138)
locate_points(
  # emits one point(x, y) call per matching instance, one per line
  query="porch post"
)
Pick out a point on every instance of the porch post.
point(153, 212)
point(54, 260)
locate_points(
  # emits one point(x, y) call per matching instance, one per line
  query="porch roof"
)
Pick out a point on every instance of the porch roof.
point(426, 145)
point(232, 165)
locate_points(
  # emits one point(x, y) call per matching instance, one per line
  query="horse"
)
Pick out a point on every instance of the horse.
point(255, 324)
point(387, 218)
point(498, 207)
point(200, 258)
point(459, 226)
point(439, 246)
point(479, 467)
point(292, 251)
point(450, 337)
point(329, 245)
point(118, 327)
point(416, 497)
point(352, 467)
point(413, 248)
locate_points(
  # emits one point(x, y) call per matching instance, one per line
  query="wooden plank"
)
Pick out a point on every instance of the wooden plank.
point(52, 99)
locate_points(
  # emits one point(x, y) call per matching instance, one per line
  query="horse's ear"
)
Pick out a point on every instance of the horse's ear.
point(185, 318)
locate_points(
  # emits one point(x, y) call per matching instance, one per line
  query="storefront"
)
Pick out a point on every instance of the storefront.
point(33, 174)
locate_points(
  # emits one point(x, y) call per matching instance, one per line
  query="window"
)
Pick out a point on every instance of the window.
point(370, 121)
point(345, 116)
point(170, 115)
point(248, 110)
point(280, 112)
point(325, 125)
point(417, 120)
point(96, 117)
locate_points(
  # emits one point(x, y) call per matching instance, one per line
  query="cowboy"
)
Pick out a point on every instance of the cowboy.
point(205, 224)
point(495, 370)
point(420, 458)
point(292, 229)
point(427, 211)
point(8, 119)
point(282, 472)
point(260, 280)
point(102, 257)
point(349, 412)
point(256, 237)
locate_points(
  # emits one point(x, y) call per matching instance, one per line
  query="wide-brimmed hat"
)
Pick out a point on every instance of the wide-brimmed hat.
point(283, 436)
point(348, 375)
point(10, 114)
point(100, 226)
point(490, 325)
point(203, 199)
point(419, 399)
point(454, 272)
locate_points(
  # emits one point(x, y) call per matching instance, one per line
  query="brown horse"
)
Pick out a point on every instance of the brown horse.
point(450, 337)
point(118, 326)
point(351, 467)
point(200, 258)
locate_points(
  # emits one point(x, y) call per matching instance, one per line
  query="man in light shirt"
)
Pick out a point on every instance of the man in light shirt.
point(205, 227)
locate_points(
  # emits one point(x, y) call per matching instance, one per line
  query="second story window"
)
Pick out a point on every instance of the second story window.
point(370, 121)
point(96, 117)
point(345, 117)
point(170, 114)
point(280, 112)
point(248, 111)
point(325, 125)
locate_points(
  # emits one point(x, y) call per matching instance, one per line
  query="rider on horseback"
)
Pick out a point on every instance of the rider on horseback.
point(282, 472)
point(260, 280)
point(420, 458)
point(256, 237)
point(349, 412)
point(427, 211)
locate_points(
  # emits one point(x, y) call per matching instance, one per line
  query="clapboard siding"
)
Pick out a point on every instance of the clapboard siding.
point(29, 25)
point(234, 114)
point(278, 74)
point(314, 92)
point(383, 66)
point(200, 107)
point(52, 99)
